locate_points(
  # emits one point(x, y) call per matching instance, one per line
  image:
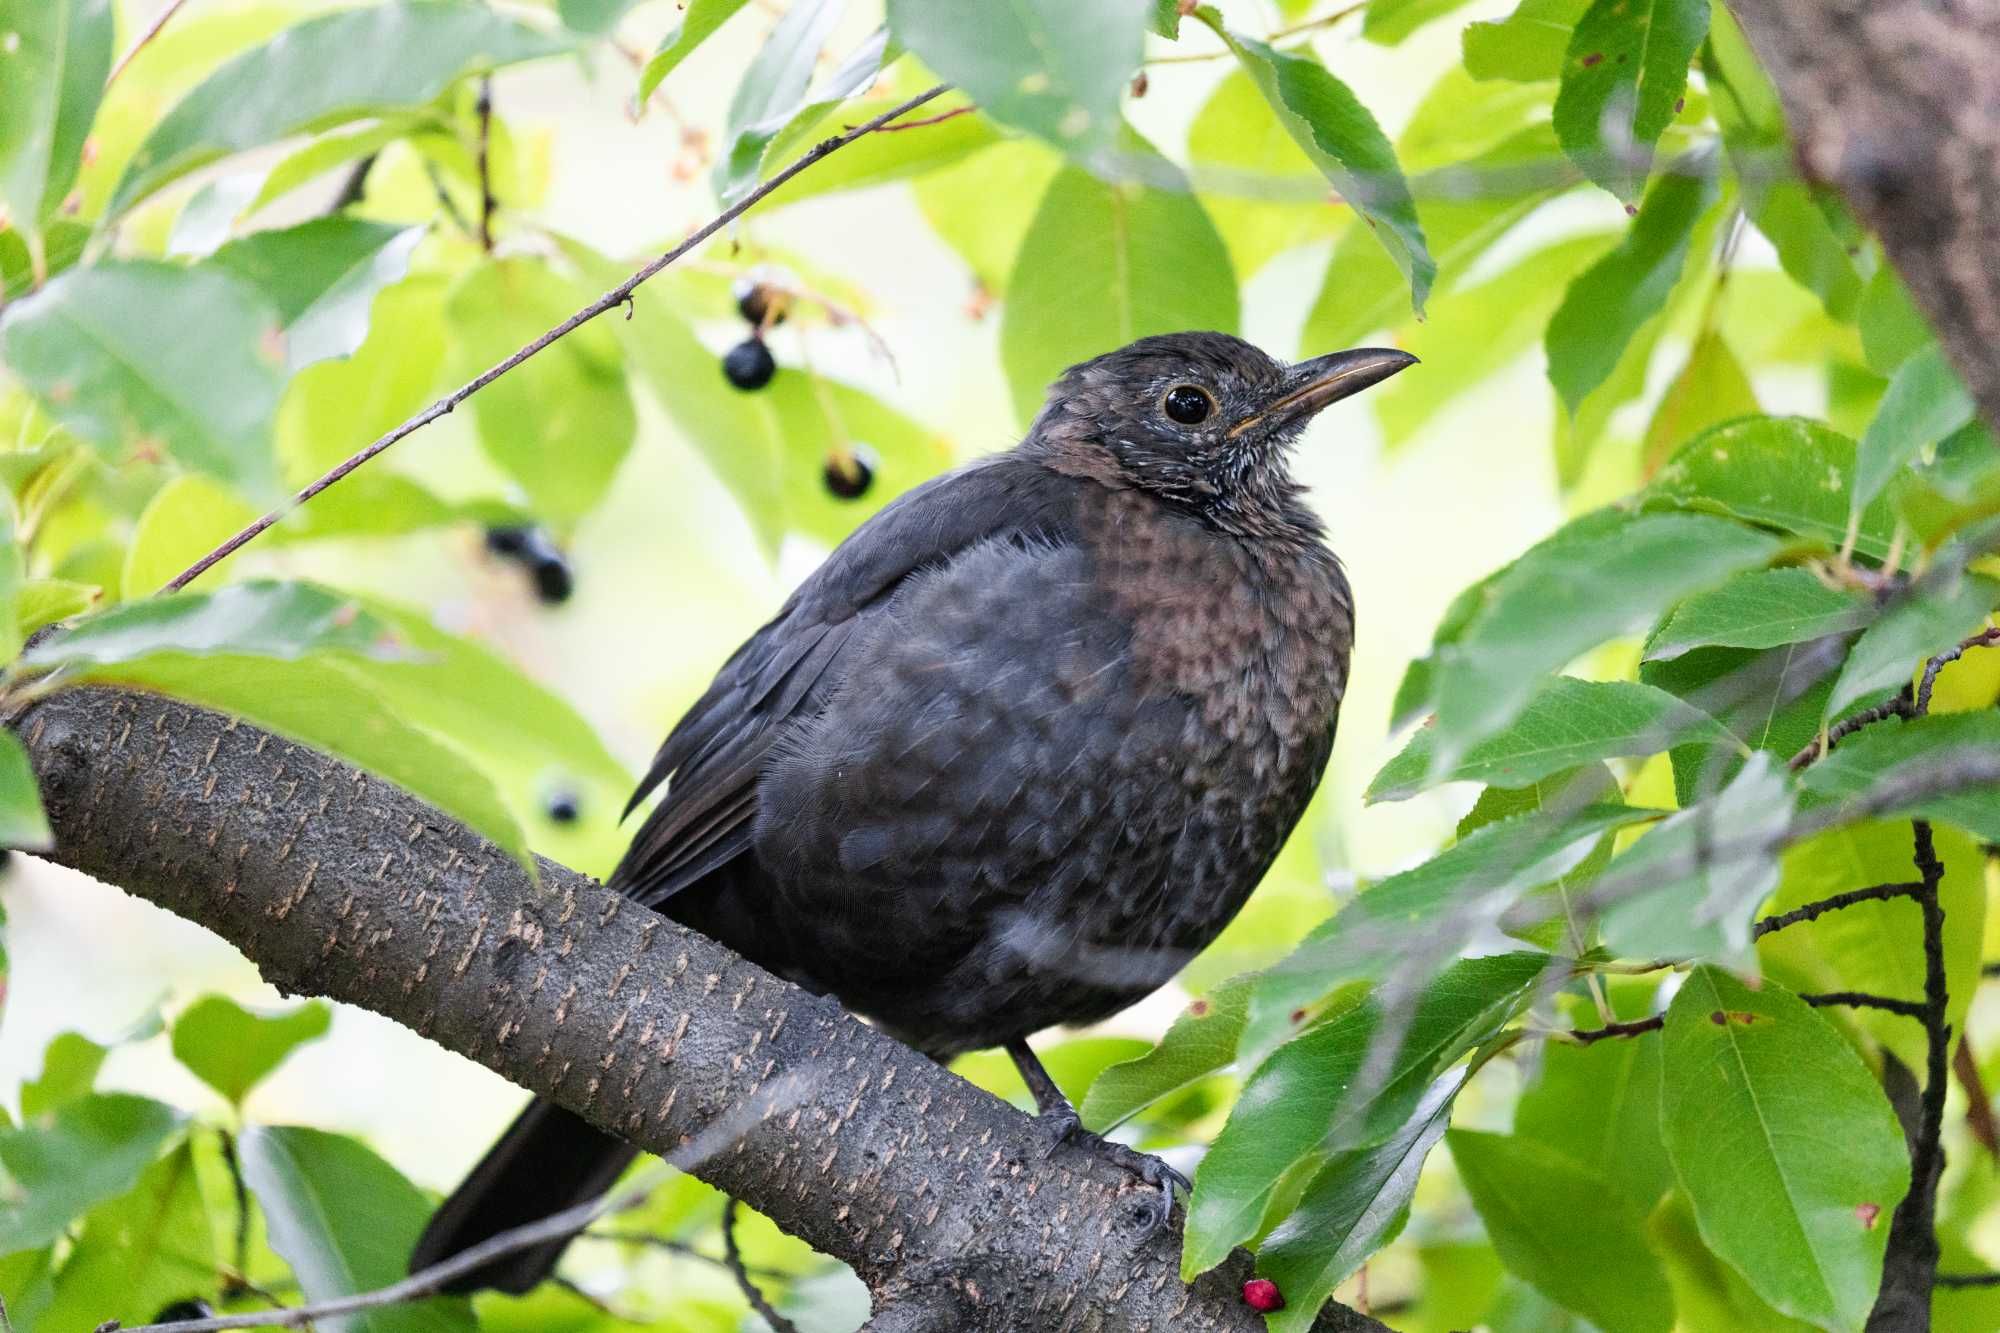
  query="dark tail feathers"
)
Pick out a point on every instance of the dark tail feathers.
point(548, 1160)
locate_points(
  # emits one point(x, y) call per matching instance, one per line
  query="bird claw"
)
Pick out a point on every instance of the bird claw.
point(1063, 1126)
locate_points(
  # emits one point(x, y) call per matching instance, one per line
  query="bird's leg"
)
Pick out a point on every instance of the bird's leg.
point(1061, 1123)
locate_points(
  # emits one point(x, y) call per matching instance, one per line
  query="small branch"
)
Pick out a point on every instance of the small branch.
point(1858, 999)
point(678, 1247)
point(354, 187)
point(1959, 1280)
point(1637, 1027)
point(486, 200)
point(612, 299)
point(1983, 639)
point(1818, 747)
point(939, 119)
point(733, 1257)
point(241, 1192)
point(1814, 910)
point(152, 31)
point(1979, 1120)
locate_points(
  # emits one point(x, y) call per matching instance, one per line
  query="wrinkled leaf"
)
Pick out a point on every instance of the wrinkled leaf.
point(1622, 80)
point(1789, 473)
point(322, 276)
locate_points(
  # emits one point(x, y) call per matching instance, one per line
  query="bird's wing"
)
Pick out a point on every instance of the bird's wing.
point(711, 761)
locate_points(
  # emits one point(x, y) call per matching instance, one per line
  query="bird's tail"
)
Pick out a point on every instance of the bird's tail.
point(548, 1160)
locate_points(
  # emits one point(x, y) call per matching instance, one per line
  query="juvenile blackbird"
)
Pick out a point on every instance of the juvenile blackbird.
point(1019, 749)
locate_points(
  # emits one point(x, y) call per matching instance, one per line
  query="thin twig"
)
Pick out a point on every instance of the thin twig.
point(1979, 1119)
point(242, 1196)
point(681, 1248)
point(612, 299)
point(1814, 910)
point(939, 119)
point(734, 1258)
point(1983, 639)
point(1860, 999)
point(1968, 1279)
point(152, 31)
point(1637, 1027)
point(1816, 748)
point(354, 187)
point(486, 200)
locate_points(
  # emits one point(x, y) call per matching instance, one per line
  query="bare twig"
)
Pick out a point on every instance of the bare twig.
point(1819, 747)
point(1984, 639)
point(939, 119)
point(241, 1192)
point(486, 200)
point(1968, 1279)
point(1814, 910)
point(1637, 1027)
point(733, 1257)
point(1857, 999)
point(612, 299)
point(1979, 1119)
point(354, 187)
point(139, 44)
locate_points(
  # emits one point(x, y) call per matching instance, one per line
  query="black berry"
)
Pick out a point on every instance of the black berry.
point(748, 365)
point(760, 303)
point(183, 1310)
point(509, 541)
point(563, 807)
point(850, 472)
point(554, 581)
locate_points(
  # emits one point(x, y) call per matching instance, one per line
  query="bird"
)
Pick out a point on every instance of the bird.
point(1019, 748)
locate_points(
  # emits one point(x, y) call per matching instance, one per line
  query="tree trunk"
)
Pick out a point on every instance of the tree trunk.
point(337, 884)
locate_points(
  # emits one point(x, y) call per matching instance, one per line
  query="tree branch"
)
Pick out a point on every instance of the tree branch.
point(1892, 103)
point(335, 883)
point(617, 296)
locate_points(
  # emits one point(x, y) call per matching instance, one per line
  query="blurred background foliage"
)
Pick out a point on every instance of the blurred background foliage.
point(1678, 431)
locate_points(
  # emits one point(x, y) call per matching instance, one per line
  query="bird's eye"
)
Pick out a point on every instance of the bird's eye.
point(1188, 404)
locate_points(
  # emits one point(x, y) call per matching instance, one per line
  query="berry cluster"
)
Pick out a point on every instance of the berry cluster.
point(749, 365)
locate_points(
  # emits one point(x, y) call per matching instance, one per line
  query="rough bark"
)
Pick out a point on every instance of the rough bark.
point(337, 884)
point(1896, 103)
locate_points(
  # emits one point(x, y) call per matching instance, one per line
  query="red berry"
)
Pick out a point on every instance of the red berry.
point(1262, 1295)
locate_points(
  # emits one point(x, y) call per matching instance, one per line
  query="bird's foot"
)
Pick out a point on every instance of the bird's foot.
point(1061, 1125)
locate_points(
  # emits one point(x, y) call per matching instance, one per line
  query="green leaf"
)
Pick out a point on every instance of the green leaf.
point(1201, 1041)
point(1789, 473)
point(1622, 80)
point(1879, 946)
point(1599, 1106)
point(1707, 1292)
point(1769, 699)
point(1298, 1103)
point(982, 207)
point(1760, 608)
point(1893, 751)
point(186, 518)
point(1756, 1085)
point(1560, 1226)
point(1711, 388)
point(1390, 21)
point(1689, 888)
point(1350, 1209)
point(110, 351)
point(561, 423)
point(875, 159)
point(773, 90)
point(1605, 307)
point(1053, 68)
point(232, 1049)
point(270, 619)
point(335, 407)
point(23, 824)
point(1892, 328)
point(1102, 265)
point(331, 706)
point(46, 601)
point(1567, 722)
point(53, 65)
point(1933, 616)
point(1528, 45)
point(1816, 241)
point(140, 1252)
point(1926, 402)
point(593, 18)
point(25, 1285)
point(69, 1071)
point(1337, 132)
point(322, 276)
point(1237, 137)
point(1429, 912)
point(329, 71)
point(1580, 587)
point(698, 21)
point(346, 1221)
point(61, 1166)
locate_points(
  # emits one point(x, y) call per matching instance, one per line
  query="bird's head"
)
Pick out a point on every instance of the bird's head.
point(1204, 421)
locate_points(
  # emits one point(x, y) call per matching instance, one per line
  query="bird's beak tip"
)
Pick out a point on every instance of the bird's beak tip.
point(1328, 379)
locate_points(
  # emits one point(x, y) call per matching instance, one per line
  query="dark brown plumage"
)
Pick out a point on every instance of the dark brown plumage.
point(1017, 750)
